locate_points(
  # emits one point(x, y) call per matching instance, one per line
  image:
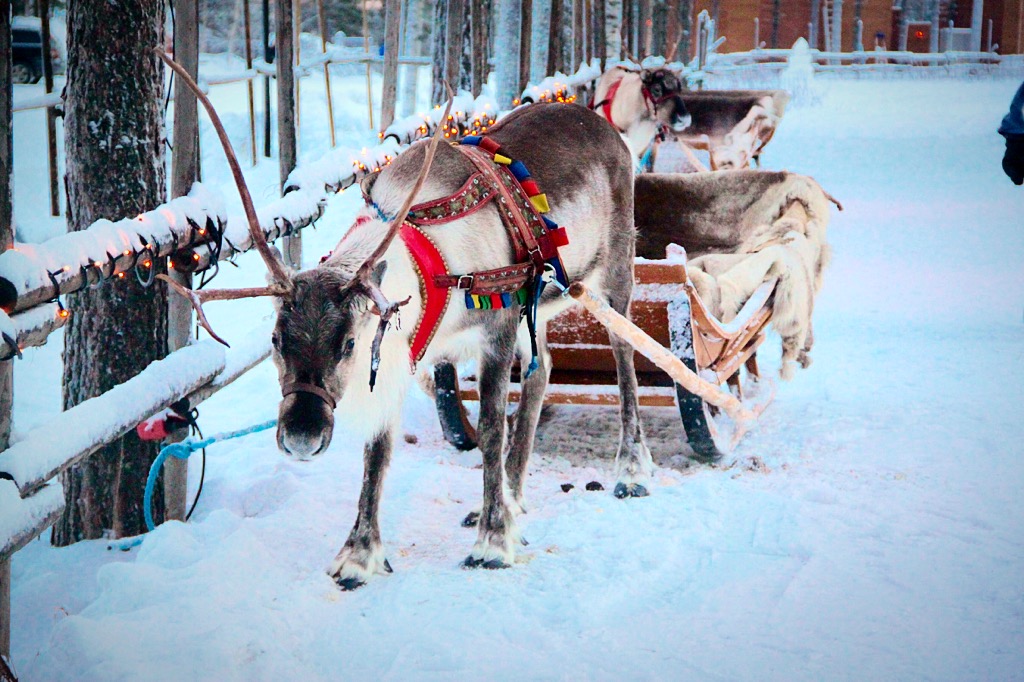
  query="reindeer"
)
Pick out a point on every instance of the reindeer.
point(640, 104)
point(329, 341)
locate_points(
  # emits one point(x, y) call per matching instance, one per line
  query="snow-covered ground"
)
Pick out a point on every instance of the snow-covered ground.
point(871, 528)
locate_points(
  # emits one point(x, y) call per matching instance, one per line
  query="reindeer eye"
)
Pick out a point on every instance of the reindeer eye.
point(276, 340)
point(346, 349)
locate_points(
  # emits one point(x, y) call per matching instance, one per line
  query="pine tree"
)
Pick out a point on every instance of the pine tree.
point(115, 168)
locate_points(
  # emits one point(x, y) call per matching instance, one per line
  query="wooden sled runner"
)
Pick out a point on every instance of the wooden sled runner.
point(706, 367)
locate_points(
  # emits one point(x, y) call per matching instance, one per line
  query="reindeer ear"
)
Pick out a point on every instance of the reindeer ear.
point(377, 276)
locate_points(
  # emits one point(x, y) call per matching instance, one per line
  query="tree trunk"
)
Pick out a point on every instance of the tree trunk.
point(6, 242)
point(613, 25)
point(506, 43)
point(525, 43)
point(439, 51)
point(115, 168)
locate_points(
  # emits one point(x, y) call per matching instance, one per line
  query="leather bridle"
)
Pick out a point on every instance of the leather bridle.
point(313, 389)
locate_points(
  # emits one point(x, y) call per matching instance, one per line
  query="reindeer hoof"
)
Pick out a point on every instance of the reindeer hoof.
point(349, 584)
point(491, 564)
point(471, 519)
point(622, 491)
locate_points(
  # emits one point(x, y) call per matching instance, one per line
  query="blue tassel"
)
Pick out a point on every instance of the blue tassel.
point(532, 368)
point(471, 139)
point(518, 169)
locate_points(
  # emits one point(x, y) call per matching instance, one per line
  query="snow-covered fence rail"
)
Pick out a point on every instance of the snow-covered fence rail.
point(77, 433)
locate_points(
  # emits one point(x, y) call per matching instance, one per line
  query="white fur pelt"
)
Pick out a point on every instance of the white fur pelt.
point(792, 247)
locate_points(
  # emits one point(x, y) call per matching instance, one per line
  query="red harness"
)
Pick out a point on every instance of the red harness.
point(533, 242)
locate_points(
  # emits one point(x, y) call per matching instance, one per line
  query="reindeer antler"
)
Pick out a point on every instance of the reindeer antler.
point(363, 279)
point(282, 283)
point(675, 46)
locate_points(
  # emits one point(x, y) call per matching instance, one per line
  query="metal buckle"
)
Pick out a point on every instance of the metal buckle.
point(462, 277)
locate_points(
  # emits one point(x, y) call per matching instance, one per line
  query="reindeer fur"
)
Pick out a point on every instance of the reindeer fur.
point(590, 190)
point(742, 228)
point(637, 121)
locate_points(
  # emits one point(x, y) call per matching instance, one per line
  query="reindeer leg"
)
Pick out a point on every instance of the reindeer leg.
point(522, 424)
point(633, 459)
point(524, 430)
point(362, 556)
point(497, 533)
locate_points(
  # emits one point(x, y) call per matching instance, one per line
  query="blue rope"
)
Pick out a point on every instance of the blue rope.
point(182, 450)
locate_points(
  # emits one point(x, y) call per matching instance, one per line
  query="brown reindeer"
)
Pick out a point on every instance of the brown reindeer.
point(328, 342)
point(639, 104)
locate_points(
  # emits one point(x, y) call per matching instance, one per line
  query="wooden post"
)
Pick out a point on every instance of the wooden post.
point(392, 31)
point(248, 83)
point(266, 79)
point(322, 18)
point(453, 42)
point(6, 242)
point(287, 136)
point(297, 49)
point(369, 72)
point(184, 172)
point(51, 117)
point(525, 37)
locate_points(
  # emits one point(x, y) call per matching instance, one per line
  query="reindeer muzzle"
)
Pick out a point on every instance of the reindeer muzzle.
point(313, 389)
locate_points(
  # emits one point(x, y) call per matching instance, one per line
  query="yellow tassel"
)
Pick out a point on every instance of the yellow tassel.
point(540, 202)
point(476, 300)
point(498, 158)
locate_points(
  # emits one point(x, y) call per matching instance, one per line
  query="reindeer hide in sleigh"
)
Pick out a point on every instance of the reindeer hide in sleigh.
point(741, 229)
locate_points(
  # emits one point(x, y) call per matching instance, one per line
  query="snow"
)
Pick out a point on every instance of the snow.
point(872, 527)
point(18, 517)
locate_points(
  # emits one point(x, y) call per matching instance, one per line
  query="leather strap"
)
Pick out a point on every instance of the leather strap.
point(506, 280)
point(300, 387)
point(606, 106)
point(522, 237)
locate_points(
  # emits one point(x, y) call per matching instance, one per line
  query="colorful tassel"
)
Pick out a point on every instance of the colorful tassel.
point(540, 202)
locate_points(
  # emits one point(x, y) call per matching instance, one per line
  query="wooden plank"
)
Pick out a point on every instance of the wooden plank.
point(392, 31)
point(572, 395)
point(576, 326)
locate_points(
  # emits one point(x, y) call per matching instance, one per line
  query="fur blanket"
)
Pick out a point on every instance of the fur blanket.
point(743, 228)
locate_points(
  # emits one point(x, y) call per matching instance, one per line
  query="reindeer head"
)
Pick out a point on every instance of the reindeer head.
point(319, 312)
point(315, 352)
point(662, 88)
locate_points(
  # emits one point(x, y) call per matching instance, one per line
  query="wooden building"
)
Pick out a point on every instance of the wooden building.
point(781, 22)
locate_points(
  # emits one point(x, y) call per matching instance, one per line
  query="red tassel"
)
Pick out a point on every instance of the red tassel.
point(530, 187)
point(489, 145)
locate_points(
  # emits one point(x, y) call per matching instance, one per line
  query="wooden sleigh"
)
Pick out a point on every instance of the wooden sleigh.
point(667, 308)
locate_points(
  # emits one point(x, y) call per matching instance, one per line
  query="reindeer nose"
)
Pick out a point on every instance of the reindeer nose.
point(682, 122)
point(302, 447)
